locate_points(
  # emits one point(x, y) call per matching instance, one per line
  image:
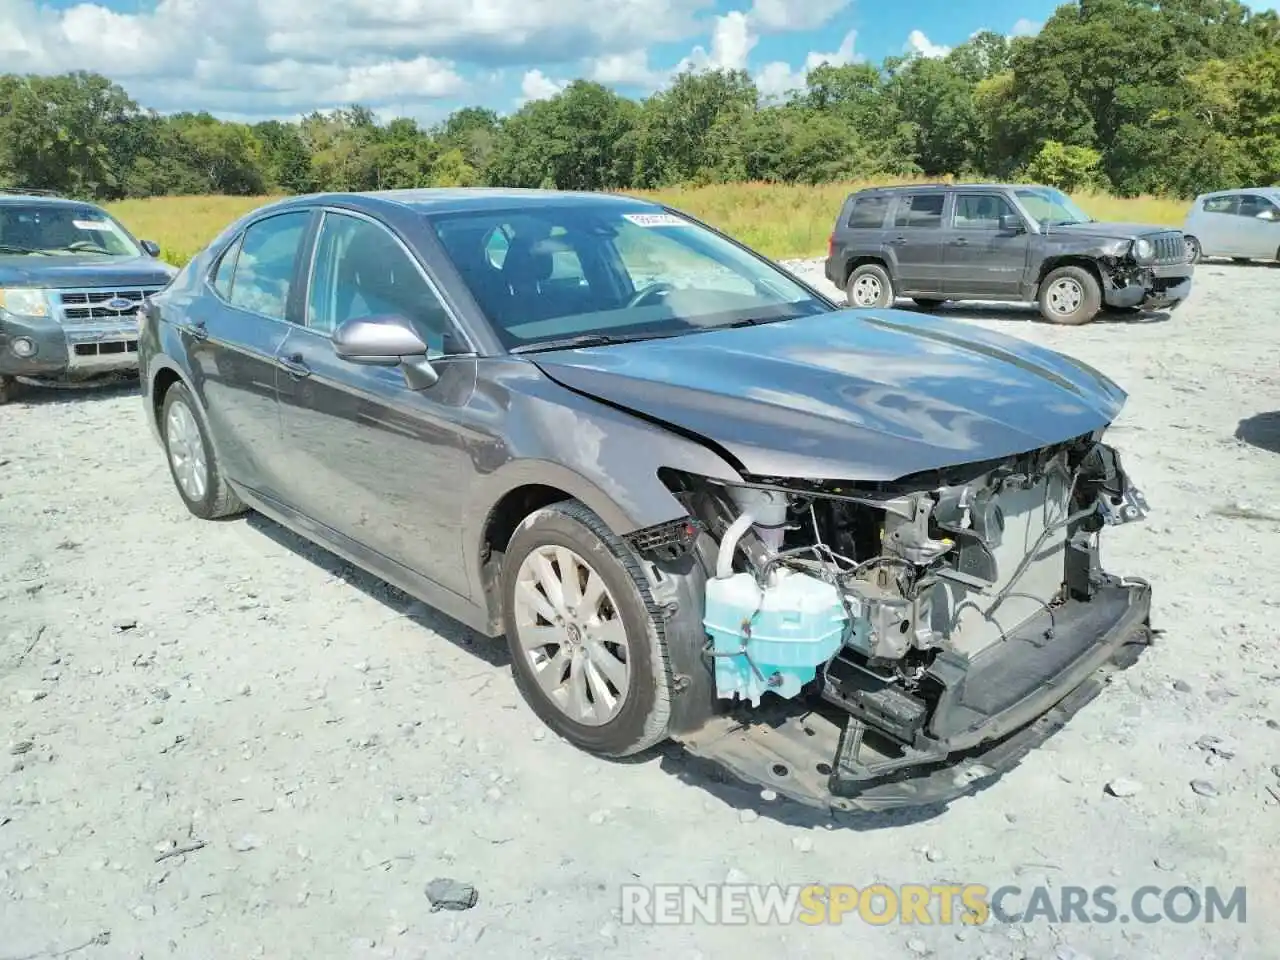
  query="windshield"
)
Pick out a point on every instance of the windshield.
point(1051, 207)
point(591, 272)
point(61, 230)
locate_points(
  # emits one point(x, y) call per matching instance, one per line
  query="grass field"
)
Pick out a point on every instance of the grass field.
point(780, 221)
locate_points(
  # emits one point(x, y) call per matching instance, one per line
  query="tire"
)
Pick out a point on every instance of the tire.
point(871, 284)
point(181, 425)
point(928, 303)
point(1195, 253)
point(569, 534)
point(9, 388)
point(1073, 287)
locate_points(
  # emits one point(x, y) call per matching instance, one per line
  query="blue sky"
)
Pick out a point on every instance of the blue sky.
point(253, 59)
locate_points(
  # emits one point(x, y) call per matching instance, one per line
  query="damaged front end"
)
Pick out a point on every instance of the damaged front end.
point(1150, 273)
point(881, 645)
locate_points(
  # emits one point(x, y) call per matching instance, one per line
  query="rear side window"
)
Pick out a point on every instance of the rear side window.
point(868, 212)
point(920, 210)
point(1220, 205)
point(264, 270)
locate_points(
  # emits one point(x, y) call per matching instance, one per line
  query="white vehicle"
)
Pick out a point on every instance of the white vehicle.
point(1241, 224)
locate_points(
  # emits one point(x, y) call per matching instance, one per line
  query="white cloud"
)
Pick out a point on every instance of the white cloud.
point(918, 43)
point(1025, 28)
point(629, 69)
point(732, 40)
point(281, 57)
point(536, 85)
point(782, 15)
point(777, 79)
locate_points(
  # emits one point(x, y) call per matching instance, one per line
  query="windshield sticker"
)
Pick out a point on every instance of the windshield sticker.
point(91, 224)
point(655, 220)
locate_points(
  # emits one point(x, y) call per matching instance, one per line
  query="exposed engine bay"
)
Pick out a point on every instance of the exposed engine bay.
point(923, 619)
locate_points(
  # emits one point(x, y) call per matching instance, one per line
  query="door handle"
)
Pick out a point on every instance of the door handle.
point(196, 330)
point(898, 241)
point(294, 365)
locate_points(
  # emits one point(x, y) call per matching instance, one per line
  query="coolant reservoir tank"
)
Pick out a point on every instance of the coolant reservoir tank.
point(773, 638)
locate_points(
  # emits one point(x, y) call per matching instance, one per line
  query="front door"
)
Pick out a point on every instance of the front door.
point(1258, 224)
point(372, 460)
point(979, 259)
point(914, 244)
point(232, 340)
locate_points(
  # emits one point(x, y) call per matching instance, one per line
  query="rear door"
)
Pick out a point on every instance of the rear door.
point(1217, 225)
point(382, 466)
point(980, 259)
point(915, 242)
point(232, 336)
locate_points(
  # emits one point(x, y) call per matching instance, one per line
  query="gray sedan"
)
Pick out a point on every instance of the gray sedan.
point(848, 554)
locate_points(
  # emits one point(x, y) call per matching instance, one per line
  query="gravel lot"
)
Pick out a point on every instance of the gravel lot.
point(165, 681)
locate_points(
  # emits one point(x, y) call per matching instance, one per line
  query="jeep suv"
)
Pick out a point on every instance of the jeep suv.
point(71, 281)
point(1011, 242)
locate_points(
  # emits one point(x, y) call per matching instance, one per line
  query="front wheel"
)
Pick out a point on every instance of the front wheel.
point(1195, 253)
point(588, 651)
point(869, 286)
point(1071, 296)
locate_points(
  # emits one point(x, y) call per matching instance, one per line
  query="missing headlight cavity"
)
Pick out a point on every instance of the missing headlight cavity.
point(886, 600)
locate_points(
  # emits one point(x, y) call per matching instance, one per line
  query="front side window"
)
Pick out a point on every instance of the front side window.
point(920, 210)
point(361, 271)
point(1252, 205)
point(544, 274)
point(263, 274)
point(981, 211)
point(63, 230)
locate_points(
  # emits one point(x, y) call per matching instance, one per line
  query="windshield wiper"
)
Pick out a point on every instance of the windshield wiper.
point(586, 340)
point(9, 248)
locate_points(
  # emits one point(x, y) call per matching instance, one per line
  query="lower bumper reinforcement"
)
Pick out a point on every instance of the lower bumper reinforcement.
point(824, 758)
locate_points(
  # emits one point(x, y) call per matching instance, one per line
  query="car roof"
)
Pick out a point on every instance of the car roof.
point(1238, 191)
point(440, 200)
point(928, 187)
point(41, 199)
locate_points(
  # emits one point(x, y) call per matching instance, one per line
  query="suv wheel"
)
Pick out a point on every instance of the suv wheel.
point(1194, 251)
point(192, 462)
point(869, 286)
point(1070, 295)
point(587, 640)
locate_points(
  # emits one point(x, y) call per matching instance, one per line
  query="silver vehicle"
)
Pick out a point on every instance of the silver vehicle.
point(1241, 224)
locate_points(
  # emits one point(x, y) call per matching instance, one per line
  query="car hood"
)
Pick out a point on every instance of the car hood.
point(62, 273)
point(1108, 231)
point(871, 395)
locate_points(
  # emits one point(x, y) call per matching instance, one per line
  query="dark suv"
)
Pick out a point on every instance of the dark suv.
point(1020, 242)
point(71, 281)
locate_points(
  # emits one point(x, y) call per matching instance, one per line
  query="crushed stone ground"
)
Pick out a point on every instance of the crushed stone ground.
point(335, 746)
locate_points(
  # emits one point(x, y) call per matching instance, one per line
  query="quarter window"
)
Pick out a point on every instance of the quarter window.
point(977, 211)
point(362, 271)
point(868, 212)
point(225, 274)
point(920, 210)
point(263, 273)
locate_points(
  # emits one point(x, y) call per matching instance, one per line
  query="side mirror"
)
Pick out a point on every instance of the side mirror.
point(1009, 223)
point(386, 341)
point(151, 247)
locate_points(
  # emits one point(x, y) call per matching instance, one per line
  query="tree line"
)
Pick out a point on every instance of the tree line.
point(1127, 96)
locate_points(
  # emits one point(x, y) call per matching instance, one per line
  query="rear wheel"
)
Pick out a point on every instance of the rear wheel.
point(869, 286)
point(1194, 251)
point(192, 462)
point(587, 645)
point(1070, 295)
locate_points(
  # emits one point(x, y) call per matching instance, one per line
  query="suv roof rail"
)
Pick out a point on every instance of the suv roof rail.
point(31, 192)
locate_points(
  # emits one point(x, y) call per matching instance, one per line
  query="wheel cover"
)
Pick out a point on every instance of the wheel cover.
point(867, 290)
point(1065, 296)
point(571, 632)
point(186, 451)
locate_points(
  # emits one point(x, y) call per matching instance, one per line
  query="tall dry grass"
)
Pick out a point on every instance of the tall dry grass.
point(778, 220)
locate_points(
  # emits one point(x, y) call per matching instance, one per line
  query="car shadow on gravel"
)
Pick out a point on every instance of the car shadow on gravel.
point(492, 652)
point(41, 395)
point(1261, 430)
point(1021, 313)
